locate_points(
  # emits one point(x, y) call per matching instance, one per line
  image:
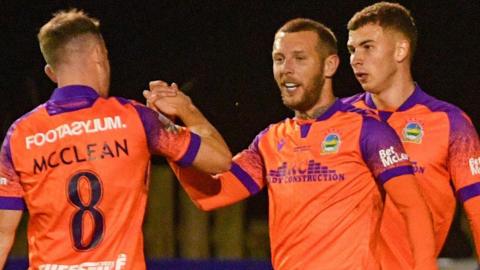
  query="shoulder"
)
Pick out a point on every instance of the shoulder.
point(25, 120)
point(131, 103)
point(271, 129)
point(456, 116)
point(437, 105)
point(125, 101)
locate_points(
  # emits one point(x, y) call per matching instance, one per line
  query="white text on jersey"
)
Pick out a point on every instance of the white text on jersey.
point(390, 157)
point(75, 129)
point(474, 165)
point(118, 264)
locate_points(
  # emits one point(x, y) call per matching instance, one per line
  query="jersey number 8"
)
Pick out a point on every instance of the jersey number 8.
point(84, 209)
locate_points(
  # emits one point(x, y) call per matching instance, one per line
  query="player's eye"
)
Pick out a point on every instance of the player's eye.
point(277, 59)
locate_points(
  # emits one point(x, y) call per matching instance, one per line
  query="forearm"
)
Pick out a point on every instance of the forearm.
point(9, 220)
point(6, 242)
point(472, 209)
point(214, 155)
point(207, 192)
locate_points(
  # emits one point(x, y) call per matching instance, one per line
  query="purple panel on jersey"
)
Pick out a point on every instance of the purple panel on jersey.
point(369, 101)
point(304, 129)
point(463, 136)
point(245, 178)
point(387, 175)
point(11, 203)
point(151, 124)
point(254, 145)
point(71, 98)
point(384, 115)
point(192, 151)
point(122, 100)
point(468, 192)
point(382, 150)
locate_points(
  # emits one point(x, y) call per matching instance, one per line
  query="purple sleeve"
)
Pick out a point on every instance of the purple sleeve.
point(151, 124)
point(11, 191)
point(464, 156)
point(248, 166)
point(182, 146)
point(191, 152)
point(382, 151)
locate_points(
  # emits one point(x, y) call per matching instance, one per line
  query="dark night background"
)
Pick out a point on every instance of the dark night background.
point(221, 51)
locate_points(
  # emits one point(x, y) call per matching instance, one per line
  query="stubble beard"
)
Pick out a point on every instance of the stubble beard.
point(309, 98)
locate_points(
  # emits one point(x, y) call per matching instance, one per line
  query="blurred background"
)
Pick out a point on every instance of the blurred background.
point(220, 53)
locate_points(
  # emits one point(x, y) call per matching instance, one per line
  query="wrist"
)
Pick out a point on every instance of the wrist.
point(189, 115)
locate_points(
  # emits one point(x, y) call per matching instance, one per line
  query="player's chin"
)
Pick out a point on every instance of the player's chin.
point(290, 103)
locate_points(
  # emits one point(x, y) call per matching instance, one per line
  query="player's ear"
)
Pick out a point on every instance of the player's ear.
point(402, 49)
point(330, 65)
point(50, 73)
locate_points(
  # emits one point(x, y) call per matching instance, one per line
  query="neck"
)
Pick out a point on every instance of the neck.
point(325, 101)
point(77, 75)
point(393, 96)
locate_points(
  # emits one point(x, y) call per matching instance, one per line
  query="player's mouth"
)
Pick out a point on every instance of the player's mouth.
point(291, 86)
point(361, 76)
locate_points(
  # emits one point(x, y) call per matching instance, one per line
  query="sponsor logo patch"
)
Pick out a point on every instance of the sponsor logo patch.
point(390, 157)
point(310, 172)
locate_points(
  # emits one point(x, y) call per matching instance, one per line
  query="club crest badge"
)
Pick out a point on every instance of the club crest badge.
point(413, 132)
point(331, 143)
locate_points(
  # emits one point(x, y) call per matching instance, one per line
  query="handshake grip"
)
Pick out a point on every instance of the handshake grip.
point(167, 123)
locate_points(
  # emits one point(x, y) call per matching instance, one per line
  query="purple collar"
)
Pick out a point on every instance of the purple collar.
point(413, 99)
point(73, 91)
point(71, 98)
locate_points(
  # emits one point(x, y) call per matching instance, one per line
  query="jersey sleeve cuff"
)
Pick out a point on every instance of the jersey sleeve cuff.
point(192, 151)
point(12, 203)
point(468, 192)
point(389, 174)
point(244, 178)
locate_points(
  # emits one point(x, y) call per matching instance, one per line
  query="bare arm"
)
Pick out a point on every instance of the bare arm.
point(472, 208)
point(213, 156)
point(405, 194)
point(9, 220)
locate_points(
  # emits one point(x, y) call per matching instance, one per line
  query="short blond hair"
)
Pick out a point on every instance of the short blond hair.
point(62, 28)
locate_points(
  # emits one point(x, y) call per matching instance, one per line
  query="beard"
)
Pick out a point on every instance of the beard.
point(309, 97)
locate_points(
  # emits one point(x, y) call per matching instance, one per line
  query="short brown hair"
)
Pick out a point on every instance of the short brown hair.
point(326, 37)
point(63, 27)
point(388, 16)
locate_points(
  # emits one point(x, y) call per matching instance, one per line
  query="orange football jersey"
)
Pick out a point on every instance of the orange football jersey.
point(322, 177)
point(444, 149)
point(80, 165)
